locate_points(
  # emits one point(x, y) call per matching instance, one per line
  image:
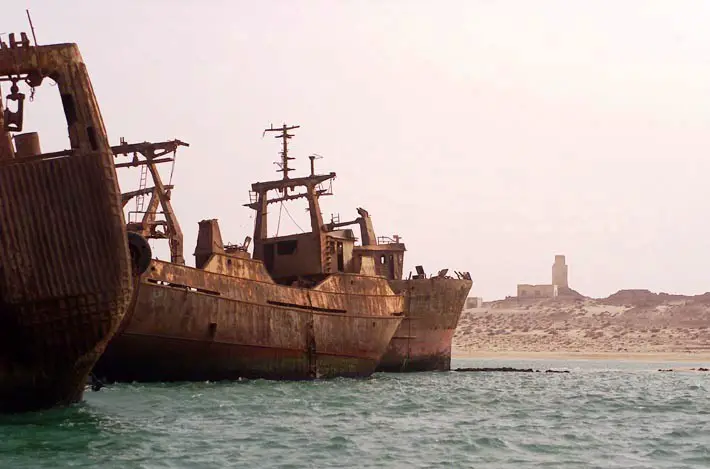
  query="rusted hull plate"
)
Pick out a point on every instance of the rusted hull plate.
point(65, 278)
point(432, 310)
point(429, 350)
point(176, 334)
point(151, 358)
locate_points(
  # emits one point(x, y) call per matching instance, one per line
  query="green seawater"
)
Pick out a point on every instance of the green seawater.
point(601, 415)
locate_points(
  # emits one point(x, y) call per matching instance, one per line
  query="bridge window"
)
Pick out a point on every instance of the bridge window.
point(286, 248)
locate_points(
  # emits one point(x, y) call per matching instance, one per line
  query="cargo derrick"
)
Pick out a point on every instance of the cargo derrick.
point(149, 227)
point(432, 305)
point(66, 276)
point(297, 310)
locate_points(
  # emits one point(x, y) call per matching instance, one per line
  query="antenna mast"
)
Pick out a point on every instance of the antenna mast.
point(32, 27)
point(284, 152)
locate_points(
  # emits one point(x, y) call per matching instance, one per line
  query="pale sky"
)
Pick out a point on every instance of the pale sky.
point(490, 135)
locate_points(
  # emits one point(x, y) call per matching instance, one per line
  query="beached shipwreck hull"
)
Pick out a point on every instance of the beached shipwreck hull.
point(431, 313)
point(65, 271)
point(230, 320)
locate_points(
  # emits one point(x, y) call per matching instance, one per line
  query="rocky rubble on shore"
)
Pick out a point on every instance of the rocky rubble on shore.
point(627, 321)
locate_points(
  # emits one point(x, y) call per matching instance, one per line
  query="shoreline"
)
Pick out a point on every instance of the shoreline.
point(695, 357)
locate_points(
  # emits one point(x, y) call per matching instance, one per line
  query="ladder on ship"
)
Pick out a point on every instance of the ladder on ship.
point(142, 184)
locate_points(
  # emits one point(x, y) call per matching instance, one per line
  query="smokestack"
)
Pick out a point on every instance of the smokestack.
point(209, 241)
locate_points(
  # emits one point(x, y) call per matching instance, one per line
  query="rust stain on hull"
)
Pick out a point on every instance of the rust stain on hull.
point(299, 309)
point(423, 339)
point(192, 324)
point(433, 304)
point(57, 310)
point(153, 358)
point(65, 272)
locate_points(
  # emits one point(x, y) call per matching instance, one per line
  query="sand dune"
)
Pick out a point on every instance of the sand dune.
point(629, 321)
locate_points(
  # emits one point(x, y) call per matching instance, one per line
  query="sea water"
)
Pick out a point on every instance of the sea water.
point(600, 415)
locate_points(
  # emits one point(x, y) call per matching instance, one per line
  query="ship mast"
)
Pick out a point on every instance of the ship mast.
point(289, 189)
point(284, 136)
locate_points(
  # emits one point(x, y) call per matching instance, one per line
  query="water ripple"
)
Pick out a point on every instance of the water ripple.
point(627, 417)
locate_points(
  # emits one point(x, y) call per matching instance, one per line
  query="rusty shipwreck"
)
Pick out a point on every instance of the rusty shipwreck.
point(432, 305)
point(302, 307)
point(66, 276)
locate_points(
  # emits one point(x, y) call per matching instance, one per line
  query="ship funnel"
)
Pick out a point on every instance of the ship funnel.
point(209, 241)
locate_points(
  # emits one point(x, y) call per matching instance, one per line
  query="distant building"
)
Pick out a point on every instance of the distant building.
point(559, 272)
point(559, 282)
point(474, 302)
point(537, 291)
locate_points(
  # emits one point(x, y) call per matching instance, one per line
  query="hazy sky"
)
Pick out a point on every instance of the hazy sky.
point(490, 135)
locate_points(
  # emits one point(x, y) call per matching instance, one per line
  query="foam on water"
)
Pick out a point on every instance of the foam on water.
point(602, 415)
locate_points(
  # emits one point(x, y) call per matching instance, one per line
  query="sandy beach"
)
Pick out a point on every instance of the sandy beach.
point(635, 356)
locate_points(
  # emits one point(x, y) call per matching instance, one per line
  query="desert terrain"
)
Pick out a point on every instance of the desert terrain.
point(628, 323)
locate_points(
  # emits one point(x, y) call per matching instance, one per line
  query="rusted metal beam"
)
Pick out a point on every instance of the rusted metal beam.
point(332, 225)
point(57, 154)
point(143, 162)
point(127, 196)
point(148, 223)
point(155, 149)
point(64, 153)
point(284, 183)
point(320, 192)
point(174, 231)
